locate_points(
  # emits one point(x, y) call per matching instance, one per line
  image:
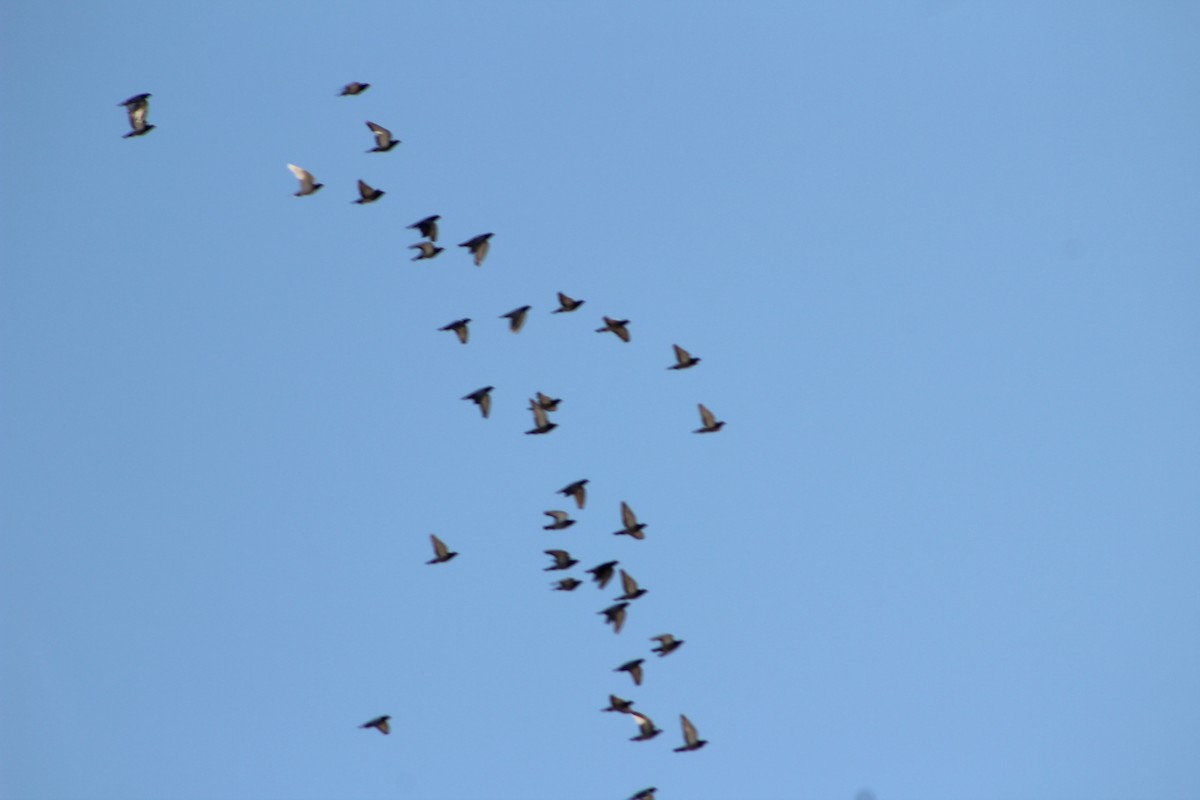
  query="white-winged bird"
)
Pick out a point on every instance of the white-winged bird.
point(634, 668)
point(566, 304)
point(561, 520)
point(629, 585)
point(708, 422)
point(646, 729)
point(577, 491)
point(427, 227)
point(603, 573)
point(567, 585)
point(380, 724)
point(632, 526)
point(691, 740)
point(541, 422)
point(459, 326)
point(308, 184)
point(562, 560)
point(683, 359)
point(137, 107)
point(353, 88)
point(367, 194)
point(482, 398)
point(383, 138)
point(428, 250)
point(667, 644)
point(616, 615)
point(478, 245)
point(617, 704)
point(441, 553)
point(547, 402)
point(516, 320)
point(616, 326)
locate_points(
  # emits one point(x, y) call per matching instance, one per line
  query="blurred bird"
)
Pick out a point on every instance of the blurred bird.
point(516, 320)
point(615, 615)
point(646, 729)
point(632, 592)
point(634, 668)
point(617, 326)
point(567, 585)
point(380, 724)
point(691, 741)
point(459, 326)
point(482, 398)
point(427, 227)
point(632, 526)
point(603, 573)
point(354, 88)
point(137, 108)
point(441, 553)
point(383, 138)
point(428, 250)
point(708, 421)
point(562, 560)
point(667, 644)
point(566, 304)
point(367, 194)
point(645, 794)
point(683, 359)
point(577, 491)
point(308, 184)
point(561, 520)
point(478, 245)
point(547, 402)
point(541, 422)
point(617, 704)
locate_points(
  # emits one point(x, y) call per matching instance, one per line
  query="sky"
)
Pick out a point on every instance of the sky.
point(939, 260)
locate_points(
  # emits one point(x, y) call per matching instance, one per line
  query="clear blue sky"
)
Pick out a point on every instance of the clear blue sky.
point(941, 262)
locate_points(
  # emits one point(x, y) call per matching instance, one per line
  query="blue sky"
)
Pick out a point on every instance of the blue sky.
point(939, 260)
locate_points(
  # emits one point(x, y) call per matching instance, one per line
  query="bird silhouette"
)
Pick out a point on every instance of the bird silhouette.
point(617, 704)
point(616, 615)
point(441, 553)
point(632, 591)
point(644, 794)
point(691, 741)
point(541, 422)
point(367, 194)
point(567, 585)
point(478, 246)
point(562, 560)
point(428, 250)
point(616, 326)
point(683, 359)
point(632, 526)
point(603, 573)
point(308, 184)
point(561, 519)
point(516, 320)
point(667, 644)
point(577, 491)
point(646, 729)
point(383, 138)
point(427, 227)
point(482, 398)
point(137, 107)
point(353, 88)
point(566, 304)
point(380, 724)
point(708, 422)
point(634, 668)
point(547, 402)
point(459, 326)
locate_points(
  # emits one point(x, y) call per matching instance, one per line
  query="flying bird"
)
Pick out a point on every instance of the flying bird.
point(645, 794)
point(632, 592)
point(667, 644)
point(683, 359)
point(603, 573)
point(617, 326)
point(137, 107)
point(567, 585)
point(482, 398)
point(428, 250)
point(566, 304)
point(459, 326)
point(383, 138)
point(561, 520)
point(646, 729)
point(541, 422)
point(709, 423)
point(615, 615)
point(380, 724)
point(478, 245)
point(617, 704)
point(632, 526)
point(367, 194)
point(577, 491)
point(691, 741)
point(354, 88)
point(562, 560)
point(427, 227)
point(516, 320)
point(547, 402)
point(441, 553)
point(634, 668)
point(308, 184)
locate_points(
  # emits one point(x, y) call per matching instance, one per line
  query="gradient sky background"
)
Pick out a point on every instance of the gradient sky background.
point(940, 261)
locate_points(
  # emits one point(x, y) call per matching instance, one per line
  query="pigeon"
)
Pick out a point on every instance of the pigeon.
point(567, 585)
point(566, 304)
point(354, 88)
point(482, 398)
point(383, 138)
point(441, 553)
point(541, 422)
point(617, 326)
point(708, 421)
point(603, 573)
point(478, 245)
point(427, 227)
point(645, 794)
point(617, 704)
point(691, 741)
point(138, 107)
point(634, 668)
point(632, 592)
point(683, 359)
point(428, 250)
point(577, 491)
point(547, 402)
point(380, 724)
point(632, 526)
point(367, 194)
point(459, 326)
point(615, 615)
point(667, 644)
point(561, 520)
point(308, 184)
point(646, 729)
point(516, 320)
point(562, 560)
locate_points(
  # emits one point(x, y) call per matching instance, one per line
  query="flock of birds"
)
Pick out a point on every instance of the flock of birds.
point(541, 406)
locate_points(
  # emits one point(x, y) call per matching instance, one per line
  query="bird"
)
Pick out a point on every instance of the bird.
point(577, 491)
point(137, 107)
point(603, 573)
point(708, 422)
point(516, 320)
point(566, 304)
point(308, 184)
point(478, 245)
point(547, 402)
point(354, 88)
point(562, 560)
point(541, 422)
point(691, 741)
point(441, 553)
point(459, 326)
point(634, 668)
point(427, 227)
point(428, 250)
point(380, 724)
point(632, 526)
point(482, 398)
point(683, 359)
point(616, 615)
point(383, 138)
point(617, 326)
point(667, 644)
point(367, 194)
point(617, 704)
point(561, 520)
point(645, 794)
point(567, 585)
point(646, 729)
point(632, 592)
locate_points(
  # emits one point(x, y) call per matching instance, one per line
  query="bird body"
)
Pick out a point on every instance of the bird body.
point(616, 615)
point(137, 107)
point(427, 227)
point(708, 421)
point(617, 326)
point(667, 644)
point(308, 184)
point(567, 585)
point(577, 491)
point(478, 247)
point(603, 573)
point(691, 741)
point(634, 668)
point(366, 194)
point(441, 553)
point(459, 326)
point(566, 304)
point(380, 724)
point(561, 521)
point(516, 320)
point(617, 704)
point(632, 526)
point(428, 250)
point(353, 88)
point(383, 138)
point(482, 398)
point(562, 560)
point(683, 359)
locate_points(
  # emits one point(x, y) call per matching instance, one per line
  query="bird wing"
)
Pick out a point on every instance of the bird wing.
point(481, 251)
point(681, 356)
point(539, 415)
point(384, 727)
point(559, 516)
point(365, 190)
point(636, 672)
point(485, 404)
point(439, 547)
point(559, 556)
point(628, 518)
point(706, 416)
point(666, 639)
point(304, 176)
point(621, 331)
point(690, 736)
point(628, 583)
point(137, 115)
point(644, 723)
point(383, 136)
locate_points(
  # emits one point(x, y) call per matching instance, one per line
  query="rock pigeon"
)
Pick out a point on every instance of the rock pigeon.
point(577, 491)
point(616, 615)
point(354, 88)
point(367, 194)
point(691, 741)
point(478, 245)
point(629, 585)
point(616, 326)
point(137, 107)
point(562, 560)
point(617, 704)
point(632, 526)
point(516, 320)
point(561, 519)
point(566, 304)
point(567, 585)
point(441, 554)
point(683, 359)
point(483, 399)
point(708, 421)
point(383, 138)
point(603, 573)
point(428, 250)
point(380, 724)
point(541, 422)
point(459, 326)
point(667, 644)
point(646, 729)
point(427, 227)
point(308, 184)
point(645, 794)
point(634, 668)
point(547, 402)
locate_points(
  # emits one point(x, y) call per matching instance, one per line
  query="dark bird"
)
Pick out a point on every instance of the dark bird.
point(617, 704)
point(561, 520)
point(632, 526)
point(562, 560)
point(459, 326)
point(354, 88)
point(427, 227)
point(483, 399)
point(516, 320)
point(137, 107)
point(645, 794)
point(646, 729)
point(541, 422)
point(566, 304)
point(441, 553)
point(383, 139)
point(632, 592)
point(380, 724)
point(691, 741)
point(615, 615)
point(577, 491)
point(308, 184)
point(547, 402)
point(617, 326)
point(634, 668)
point(428, 250)
point(603, 573)
point(567, 585)
point(667, 644)
point(708, 422)
point(367, 194)
point(478, 245)
point(683, 359)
